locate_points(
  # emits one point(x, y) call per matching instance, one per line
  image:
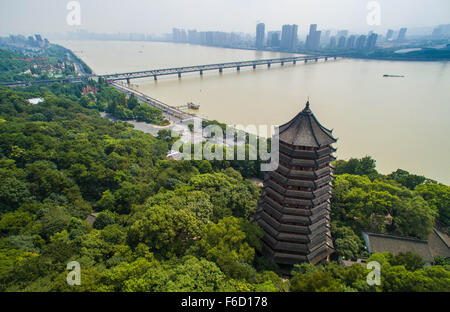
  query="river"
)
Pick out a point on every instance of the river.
point(402, 122)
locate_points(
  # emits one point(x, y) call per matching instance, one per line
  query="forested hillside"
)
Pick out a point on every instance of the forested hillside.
point(11, 68)
point(165, 225)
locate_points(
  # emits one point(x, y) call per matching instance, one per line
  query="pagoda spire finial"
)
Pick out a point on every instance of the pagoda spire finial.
point(307, 109)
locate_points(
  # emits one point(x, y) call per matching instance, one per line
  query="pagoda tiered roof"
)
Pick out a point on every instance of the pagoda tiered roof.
point(305, 130)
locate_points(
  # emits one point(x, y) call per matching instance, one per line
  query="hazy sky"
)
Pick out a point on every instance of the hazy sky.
point(159, 16)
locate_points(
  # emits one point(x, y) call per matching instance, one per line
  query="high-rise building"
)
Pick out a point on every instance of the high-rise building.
point(260, 33)
point(351, 42)
point(288, 37)
point(313, 39)
point(178, 35)
point(294, 36)
point(342, 33)
point(389, 34)
point(441, 31)
point(325, 39)
point(175, 34)
point(294, 208)
point(273, 38)
point(341, 42)
point(193, 36)
point(332, 44)
point(402, 34)
point(360, 42)
point(436, 32)
point(285, 35)
point(183, 36)
point(235, 39)
point(371, 41)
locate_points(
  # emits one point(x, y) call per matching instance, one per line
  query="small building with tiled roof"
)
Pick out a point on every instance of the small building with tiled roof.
point(439, 243)
point(91, 218)
point(379, 243)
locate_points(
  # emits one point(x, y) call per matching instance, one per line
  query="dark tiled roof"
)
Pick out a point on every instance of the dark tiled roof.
point(305, 130)
point(396, 244)
point(439, 244)
point(90, 219)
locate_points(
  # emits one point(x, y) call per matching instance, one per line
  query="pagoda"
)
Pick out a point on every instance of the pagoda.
point(294, 208)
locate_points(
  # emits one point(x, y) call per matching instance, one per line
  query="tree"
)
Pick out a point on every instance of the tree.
point(195, 275)
point(347, 243)
point(165, 230)
point(369, 205)
point(315, 282)
point(13, 223)
point(45, 179)
point(14, 190)
point(270, 281)
point(414, 217)
point(408, 259)
point(438, 197)
point(139, 275)
point(54, 220)
point(406, 179)
point(104, 219)
point(107, 202)
point(132, 102)
point(129, 194)
point(113, 234)
point(363, 166)
point(225, 243)
point(166, 136)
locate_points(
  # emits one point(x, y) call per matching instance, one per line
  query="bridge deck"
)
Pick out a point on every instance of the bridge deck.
point(200, 68)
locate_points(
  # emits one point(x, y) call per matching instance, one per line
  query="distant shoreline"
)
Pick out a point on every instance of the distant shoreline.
point(397, 59)
point(378, 58)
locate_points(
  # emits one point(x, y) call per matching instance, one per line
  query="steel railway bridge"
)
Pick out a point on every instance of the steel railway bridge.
point(201, 68)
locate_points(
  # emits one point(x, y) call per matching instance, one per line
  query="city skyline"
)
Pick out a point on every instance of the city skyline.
point(24, 16)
